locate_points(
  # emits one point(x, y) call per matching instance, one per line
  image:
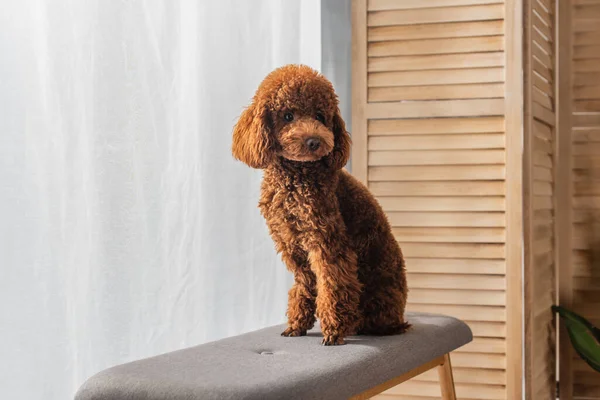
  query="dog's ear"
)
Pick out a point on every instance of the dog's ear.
point(341, 149)
point(252, 143)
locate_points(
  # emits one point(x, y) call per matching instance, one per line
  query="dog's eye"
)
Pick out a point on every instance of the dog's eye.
point(320, 118)
point(288, 116)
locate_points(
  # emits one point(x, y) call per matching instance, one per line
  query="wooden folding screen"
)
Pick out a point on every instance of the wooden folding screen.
point(585, 80)
point(539, 169)
point(437, 140)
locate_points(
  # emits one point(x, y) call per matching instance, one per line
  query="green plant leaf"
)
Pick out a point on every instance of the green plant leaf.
point(584, 336)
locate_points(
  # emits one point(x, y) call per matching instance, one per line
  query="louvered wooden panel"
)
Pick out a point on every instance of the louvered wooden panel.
point(586, 174)
point(429, 141)
point(539, 170)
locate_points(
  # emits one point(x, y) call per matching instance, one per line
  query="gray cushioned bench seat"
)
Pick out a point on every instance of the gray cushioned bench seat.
point(265, 365)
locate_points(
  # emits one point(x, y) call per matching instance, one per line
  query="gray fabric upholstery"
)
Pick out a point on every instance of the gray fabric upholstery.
point(265, 365)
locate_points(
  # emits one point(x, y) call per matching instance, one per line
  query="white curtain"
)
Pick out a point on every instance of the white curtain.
point(126, 227)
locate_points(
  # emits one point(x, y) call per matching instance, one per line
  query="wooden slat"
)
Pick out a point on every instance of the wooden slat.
point(453, 250)
point(542, 202)
point(585, 26)
point(586, 135)
point(436, 61)
point(487, 329)
point(436, 126)
point(586, 294)
point(588, 202)
point(589, 377)
point(456, 281)
point(475, 188)
point(438, 92)
point(437, 173)
point(543, 85)
point(586, 66)
point(541, 69)
point(429, 31)
point(587, 105)
point(446, 219)
point(586, 391)
point(587, 78)
point(586, 52)
point(436, 109)
point(445, 235)
point(435, 157)
point(586, 120)
point(543, 114)
point(454, 266)
point(435, 46)
point(379, 5)
point(542, 99)
point(434, 77)
point(541, 145)
point(458, 297)
point(442, 203)
point(580, 216)
point(468, 375)
point(484, 345)
point(439, 142)
point(541, 130)
point(584, 38)
point(587, 284)
point(591, 11)
point(481, 360)
point(541, 159)
point(436, 15)
point(587, 165)
point(587, 92)
point(581, 2)
point(587, 149)
point(590, 311)
point(466, 313)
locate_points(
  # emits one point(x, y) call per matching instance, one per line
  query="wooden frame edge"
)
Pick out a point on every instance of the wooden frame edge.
point(528, 242)
point(359, 90)
point(514, 127)
point(564, 190)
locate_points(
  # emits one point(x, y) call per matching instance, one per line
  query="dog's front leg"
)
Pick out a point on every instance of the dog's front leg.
point(338, 287)
point(301, 297)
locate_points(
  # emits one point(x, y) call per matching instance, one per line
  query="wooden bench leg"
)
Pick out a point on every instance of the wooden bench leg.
point(446, 379)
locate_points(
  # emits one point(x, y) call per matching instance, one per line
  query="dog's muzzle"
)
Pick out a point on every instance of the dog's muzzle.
point(313, 143)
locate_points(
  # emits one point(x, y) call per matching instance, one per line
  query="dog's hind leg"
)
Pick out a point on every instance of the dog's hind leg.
point(383, 312)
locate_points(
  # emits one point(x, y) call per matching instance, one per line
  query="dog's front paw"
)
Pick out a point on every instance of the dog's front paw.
point(332, 340)
point(291, 332)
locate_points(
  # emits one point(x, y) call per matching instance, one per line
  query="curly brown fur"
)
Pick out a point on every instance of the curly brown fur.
point(331, 232)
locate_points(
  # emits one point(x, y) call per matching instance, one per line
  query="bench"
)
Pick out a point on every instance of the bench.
point(264, 365)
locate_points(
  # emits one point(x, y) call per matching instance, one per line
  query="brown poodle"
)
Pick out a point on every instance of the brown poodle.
point(331, 232)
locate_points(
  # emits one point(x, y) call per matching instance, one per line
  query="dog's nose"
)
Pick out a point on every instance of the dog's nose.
point(313, 143)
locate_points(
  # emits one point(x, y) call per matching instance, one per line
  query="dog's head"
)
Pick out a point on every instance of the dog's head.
point(294, 115)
